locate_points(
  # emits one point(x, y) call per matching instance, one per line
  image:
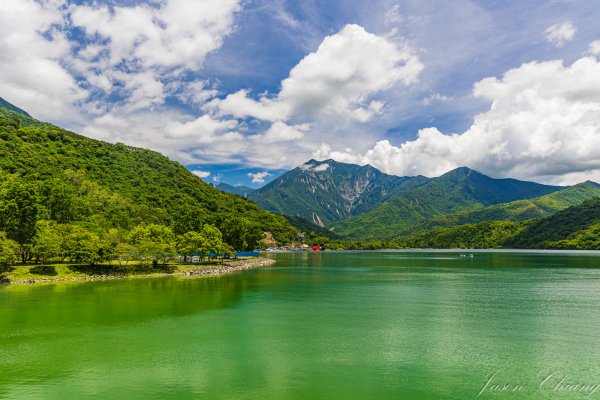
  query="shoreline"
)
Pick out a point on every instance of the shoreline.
point(184, 270)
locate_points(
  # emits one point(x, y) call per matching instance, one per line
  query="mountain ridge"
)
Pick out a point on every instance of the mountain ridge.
point(458, 190)
point(240, 190)
point(12, 107)
point(327, 191)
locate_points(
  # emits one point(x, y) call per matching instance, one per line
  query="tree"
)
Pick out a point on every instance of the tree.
point(59, 198)
point(153, 242)
point(240, 233)
point(80, 244)
point(19, 212)
point(47, 243)
point(8, 252)
point(213, 240)
point(226, 252)
point(191, 243)
point(115, 246)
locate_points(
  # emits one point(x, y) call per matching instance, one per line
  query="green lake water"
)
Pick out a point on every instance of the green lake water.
point(355, 325)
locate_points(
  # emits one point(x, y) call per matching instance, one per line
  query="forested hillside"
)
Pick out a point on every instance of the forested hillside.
point(577, 228)
point(519, 210)
point(459, 190)
point(50, 174)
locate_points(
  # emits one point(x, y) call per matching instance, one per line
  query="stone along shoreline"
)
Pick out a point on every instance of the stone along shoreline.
point(181, 270)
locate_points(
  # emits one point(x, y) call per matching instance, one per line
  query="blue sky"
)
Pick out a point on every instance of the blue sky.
point(239, 91)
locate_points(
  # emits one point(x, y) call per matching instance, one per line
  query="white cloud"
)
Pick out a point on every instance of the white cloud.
point(544, 124)
point(190, 140)
point(178, 34)
point(31, 73)
point(393, 15)
point(339, 78)
point(140, 47)
point(561, 33)
point(314, 167)
point(259, 177)
point(594, 48)
point(201, 174)
point(132, 53)
point(435, 98)
point(196, 92)
point(281, 132)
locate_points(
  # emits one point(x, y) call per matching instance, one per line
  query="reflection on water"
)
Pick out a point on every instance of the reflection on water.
point(332, 325)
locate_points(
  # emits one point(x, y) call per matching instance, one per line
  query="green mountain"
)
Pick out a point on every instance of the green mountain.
point(459, 190)
point(519, 210)
point(328, 191)
point(6, 104)
point(484, 235)
point(305, 226)
point(243, 191)
point(101, 185)
point(576, 227)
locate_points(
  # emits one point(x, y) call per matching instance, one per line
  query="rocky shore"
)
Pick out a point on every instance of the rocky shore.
point(228, 267)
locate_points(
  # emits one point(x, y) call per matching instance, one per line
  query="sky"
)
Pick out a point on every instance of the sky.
point(240, 91)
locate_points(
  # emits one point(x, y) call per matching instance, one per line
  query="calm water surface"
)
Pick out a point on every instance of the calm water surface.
point(356, 325)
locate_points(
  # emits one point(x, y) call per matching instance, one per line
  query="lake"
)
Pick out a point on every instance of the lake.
point(349, 325)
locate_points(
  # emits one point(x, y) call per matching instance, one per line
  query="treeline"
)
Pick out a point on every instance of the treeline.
point(77, 221)
point(146, 243)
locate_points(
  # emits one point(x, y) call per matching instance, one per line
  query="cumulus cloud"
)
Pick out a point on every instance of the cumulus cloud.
point(594, 48)
point(201, 174)
point(184, 138)
point(282, 132)
point(125, 57)
point(31, 72)
point(314, 167)
point(259, 177)
point(435, 98)
point(543, 123)
point(177, 34)
point(339, 78)
point(142, 46)
point(561, 33)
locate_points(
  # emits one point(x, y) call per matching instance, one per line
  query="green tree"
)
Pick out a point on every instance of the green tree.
point(80, 244)
point(213, 240)
point(18, 215)
point(8, 252)
point(59, 199)
point(191, 243)
point(153, 242)
point(47, 243)
point(241, 233)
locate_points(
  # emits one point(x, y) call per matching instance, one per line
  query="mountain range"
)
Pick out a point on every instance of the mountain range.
point(103, 186)
point(326, 192)
point(363, 203)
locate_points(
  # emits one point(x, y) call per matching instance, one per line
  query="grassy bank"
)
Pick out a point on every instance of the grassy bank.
point(32, 274)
